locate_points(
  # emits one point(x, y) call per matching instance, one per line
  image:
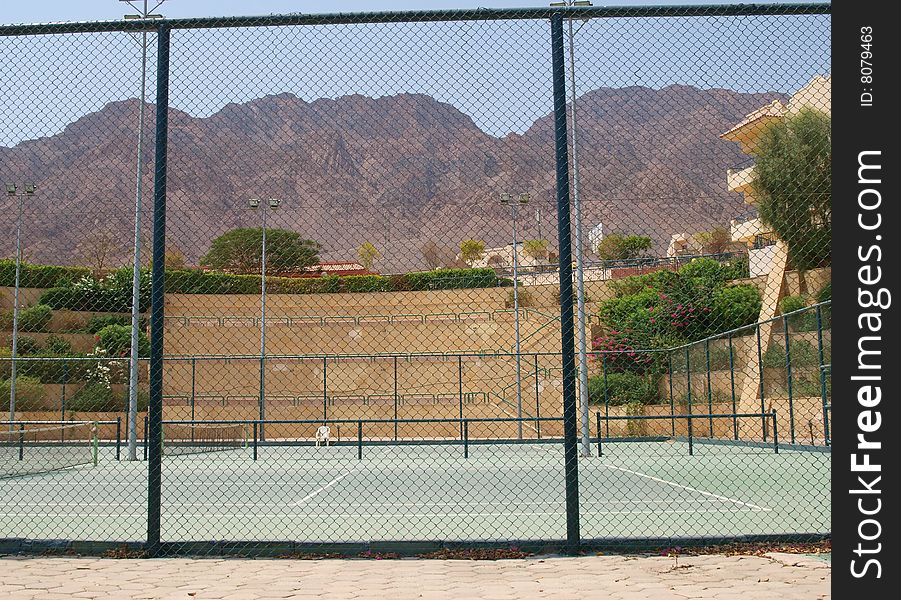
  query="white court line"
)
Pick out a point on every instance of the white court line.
point(686, 487)
point(403, 515)
point(315, 493)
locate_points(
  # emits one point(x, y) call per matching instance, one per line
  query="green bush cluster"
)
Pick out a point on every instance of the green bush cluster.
point(623, 388)
point(30, 393)
point(665, 308)
point(803, 321)
point(116, 341)
point(803, 354)
point(40, 276)
point(34, 318)
point(97, 397)
point(201, 282)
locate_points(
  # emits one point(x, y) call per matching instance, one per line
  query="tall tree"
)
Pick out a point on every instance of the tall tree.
point(472, 250)
point(615, 246)
point(240, 251)
point(102, 250)
point(368, 254)
point(793, 185)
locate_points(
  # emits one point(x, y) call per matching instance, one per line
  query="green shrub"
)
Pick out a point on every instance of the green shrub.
point(803, 354)
point(623, 388)
point(735, 306)
point(365, 283)
point(98, 322)
point(94, 397)
point(825, 295)
point(57, 345)
point(804, 321)
point(33, 319)
point(39, 276)
point(450, 279)
point(697, 358)
point(26, 345)
point(116, 341)
point(30, 393)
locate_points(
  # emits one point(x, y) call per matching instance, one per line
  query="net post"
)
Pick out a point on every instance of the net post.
point(359, 439)
point(256, 438)
point(691, 448)
point(145, 436)
point(775, 433)
point(324, 388)
point(600, 450)
point(465, 438)
point(709, 385)
point(537, 400)
point(672, 401)
point(606, 396)
point(822, 374)
point(395, 397)
point(460, 383)
point(118, 437)
point(760, 375)
point(21, 441)
point(95, 441)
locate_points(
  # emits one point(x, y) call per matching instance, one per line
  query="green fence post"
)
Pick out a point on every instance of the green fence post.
point(567, 326)
point(155, 412)
point(709, 385)
point(788, 376)
point(732, 386)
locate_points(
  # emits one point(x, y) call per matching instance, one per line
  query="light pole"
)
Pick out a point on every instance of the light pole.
point(12, 191)
point(272, 204)
point(506, 199)
point(144, 13)
point(577, 225)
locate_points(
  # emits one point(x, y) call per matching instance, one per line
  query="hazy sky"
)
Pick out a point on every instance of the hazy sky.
point(498, 73)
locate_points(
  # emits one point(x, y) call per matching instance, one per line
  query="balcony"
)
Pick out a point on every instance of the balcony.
point(747, 228)
point(740, 180)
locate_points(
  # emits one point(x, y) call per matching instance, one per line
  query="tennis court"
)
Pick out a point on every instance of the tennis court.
point(483, 490)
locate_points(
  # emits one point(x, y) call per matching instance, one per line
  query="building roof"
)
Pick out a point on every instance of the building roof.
point(774, 109)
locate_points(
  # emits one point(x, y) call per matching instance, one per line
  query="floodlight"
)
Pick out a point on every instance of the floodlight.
point(582, 3)
point(254, 203)
point(505, 198)
point(29, 189)
point(523, 198)
point(274, 202)
point(10, 189)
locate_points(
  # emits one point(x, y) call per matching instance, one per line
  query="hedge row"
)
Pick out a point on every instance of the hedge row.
point(40, 276)
point(201, 282)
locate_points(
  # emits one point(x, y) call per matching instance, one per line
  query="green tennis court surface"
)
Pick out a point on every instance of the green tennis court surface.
point(501, 491)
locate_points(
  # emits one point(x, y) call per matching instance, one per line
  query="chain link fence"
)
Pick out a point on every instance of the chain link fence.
point(537, 277)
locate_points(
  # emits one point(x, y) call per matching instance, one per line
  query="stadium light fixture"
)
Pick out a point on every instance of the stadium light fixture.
point(254, 202)
point(144, 12)
point(12, 191)
point(522, 200)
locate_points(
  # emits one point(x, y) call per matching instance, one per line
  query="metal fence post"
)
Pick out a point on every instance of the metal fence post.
point(460, 383)
point(567, 327)
point(324, 388)
point(155, 412)
point(395, 398)
point(732, 385)
point(788, 380)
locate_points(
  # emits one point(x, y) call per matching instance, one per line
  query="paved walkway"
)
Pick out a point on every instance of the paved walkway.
point(779, 576)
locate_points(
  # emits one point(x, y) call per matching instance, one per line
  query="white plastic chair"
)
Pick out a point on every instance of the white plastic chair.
point(323, 435)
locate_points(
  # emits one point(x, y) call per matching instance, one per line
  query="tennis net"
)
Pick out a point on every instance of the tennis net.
point(180, 439)
point(30, 449)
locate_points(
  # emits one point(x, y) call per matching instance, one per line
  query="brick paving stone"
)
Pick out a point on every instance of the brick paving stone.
point(783, 576)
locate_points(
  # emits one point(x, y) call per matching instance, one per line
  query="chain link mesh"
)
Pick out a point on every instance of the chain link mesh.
point(359, 337)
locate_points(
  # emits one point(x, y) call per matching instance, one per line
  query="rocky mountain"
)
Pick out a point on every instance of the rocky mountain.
point(397, 171)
